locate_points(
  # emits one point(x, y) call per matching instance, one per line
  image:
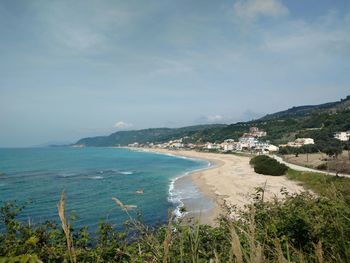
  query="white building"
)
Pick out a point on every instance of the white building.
point(135, 144)
point(264, 147)
point(246, 143)
point(212, 146)
point(256, 132)
point(301, 142)
point(342, 136)
point(176, 144)
point(228, 145)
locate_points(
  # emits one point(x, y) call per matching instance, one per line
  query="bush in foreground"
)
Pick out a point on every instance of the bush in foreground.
point(268, 166)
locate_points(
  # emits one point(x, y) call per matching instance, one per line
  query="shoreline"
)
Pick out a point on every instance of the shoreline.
point(231, 181)
point(205, 217)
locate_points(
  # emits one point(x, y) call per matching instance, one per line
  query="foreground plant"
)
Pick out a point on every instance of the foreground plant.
point(303, 228)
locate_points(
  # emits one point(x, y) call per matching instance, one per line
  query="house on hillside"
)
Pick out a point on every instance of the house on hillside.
point(301, 142)
point(256, 132)
point(342, 136)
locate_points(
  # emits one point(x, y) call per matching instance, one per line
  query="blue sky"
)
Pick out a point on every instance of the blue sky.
point(71, 69)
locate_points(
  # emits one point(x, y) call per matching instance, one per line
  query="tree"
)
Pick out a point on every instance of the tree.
point(333, 151)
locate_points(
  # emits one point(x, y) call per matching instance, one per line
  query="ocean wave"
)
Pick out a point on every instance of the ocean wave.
point(98, 177)
point(175, 196)
point(186, 191)
point(67, 174)
point(115, 171)
point(126, 172)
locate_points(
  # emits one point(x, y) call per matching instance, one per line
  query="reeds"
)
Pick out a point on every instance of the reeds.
point(66, 229)
point(233, 241)
point(168, 239)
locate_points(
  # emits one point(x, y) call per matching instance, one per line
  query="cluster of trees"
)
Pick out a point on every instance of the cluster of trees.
point(324, 142)
point(266, 165)
point(331, 149)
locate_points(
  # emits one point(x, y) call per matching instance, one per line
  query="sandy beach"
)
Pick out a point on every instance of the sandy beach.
point(232, 180)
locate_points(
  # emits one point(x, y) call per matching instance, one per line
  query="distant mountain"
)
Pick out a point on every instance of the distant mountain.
point(315, 121)
point(156, 135)
point(53, 144)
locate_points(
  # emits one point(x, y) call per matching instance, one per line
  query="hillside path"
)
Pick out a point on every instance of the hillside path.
point(306, 169)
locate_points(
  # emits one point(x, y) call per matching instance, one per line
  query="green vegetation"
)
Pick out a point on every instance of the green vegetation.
point(319, 122)
point(322, 184)
point(303, 228)
point(309, 148)
point(266, 165)
point(302, 111)
point(158, 135)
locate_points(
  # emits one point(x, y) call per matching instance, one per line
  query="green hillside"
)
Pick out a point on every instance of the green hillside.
point(304, 111)
point(156, 135)
point(318, 122)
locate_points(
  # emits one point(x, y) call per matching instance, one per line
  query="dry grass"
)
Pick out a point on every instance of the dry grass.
point(66, 229)
point(236, 249)
point(311, 160)
point(167, 239)
point(340, 164)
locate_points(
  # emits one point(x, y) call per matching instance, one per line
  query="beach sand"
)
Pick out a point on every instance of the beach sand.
point(232, 181)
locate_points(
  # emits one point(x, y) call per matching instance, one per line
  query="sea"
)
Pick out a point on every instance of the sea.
point(90, 177)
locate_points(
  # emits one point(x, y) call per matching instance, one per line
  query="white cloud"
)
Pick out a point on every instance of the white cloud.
point(92, 29)
point(253, 9)
point(122, 125)
point(214, 118)
point(328, 35)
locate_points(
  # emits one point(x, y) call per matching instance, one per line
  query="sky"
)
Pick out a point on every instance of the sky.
point(73, 69)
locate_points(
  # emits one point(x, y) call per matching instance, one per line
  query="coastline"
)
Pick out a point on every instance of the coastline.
point(231, 181)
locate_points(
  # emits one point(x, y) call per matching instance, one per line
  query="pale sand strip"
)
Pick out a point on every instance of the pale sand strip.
point(232, 180)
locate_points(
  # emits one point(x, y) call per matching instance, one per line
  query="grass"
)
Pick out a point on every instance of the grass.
point(322, 184)
point(340, 164)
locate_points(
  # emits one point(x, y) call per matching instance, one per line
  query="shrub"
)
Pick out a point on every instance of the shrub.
point(265, 165)
point(322, 166)
point(302, 228)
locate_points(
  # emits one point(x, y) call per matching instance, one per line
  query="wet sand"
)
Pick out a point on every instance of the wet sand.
point(231, 181)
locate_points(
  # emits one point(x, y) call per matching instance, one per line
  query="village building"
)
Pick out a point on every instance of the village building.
point(342, 136)
point(175, 144)
point(212, 146)
point(301, 142)
point(265, 148)
point(228, 145)
point(246, 143)
point(256, 132)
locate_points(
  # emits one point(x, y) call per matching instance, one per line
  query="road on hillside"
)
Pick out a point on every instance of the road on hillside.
point(306, 169)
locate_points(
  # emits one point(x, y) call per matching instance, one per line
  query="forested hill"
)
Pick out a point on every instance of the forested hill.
point(316, 121)
point(156, 135)
point(303, 111)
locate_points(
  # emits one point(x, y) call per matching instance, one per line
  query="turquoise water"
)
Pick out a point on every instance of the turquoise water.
point(90, 177)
